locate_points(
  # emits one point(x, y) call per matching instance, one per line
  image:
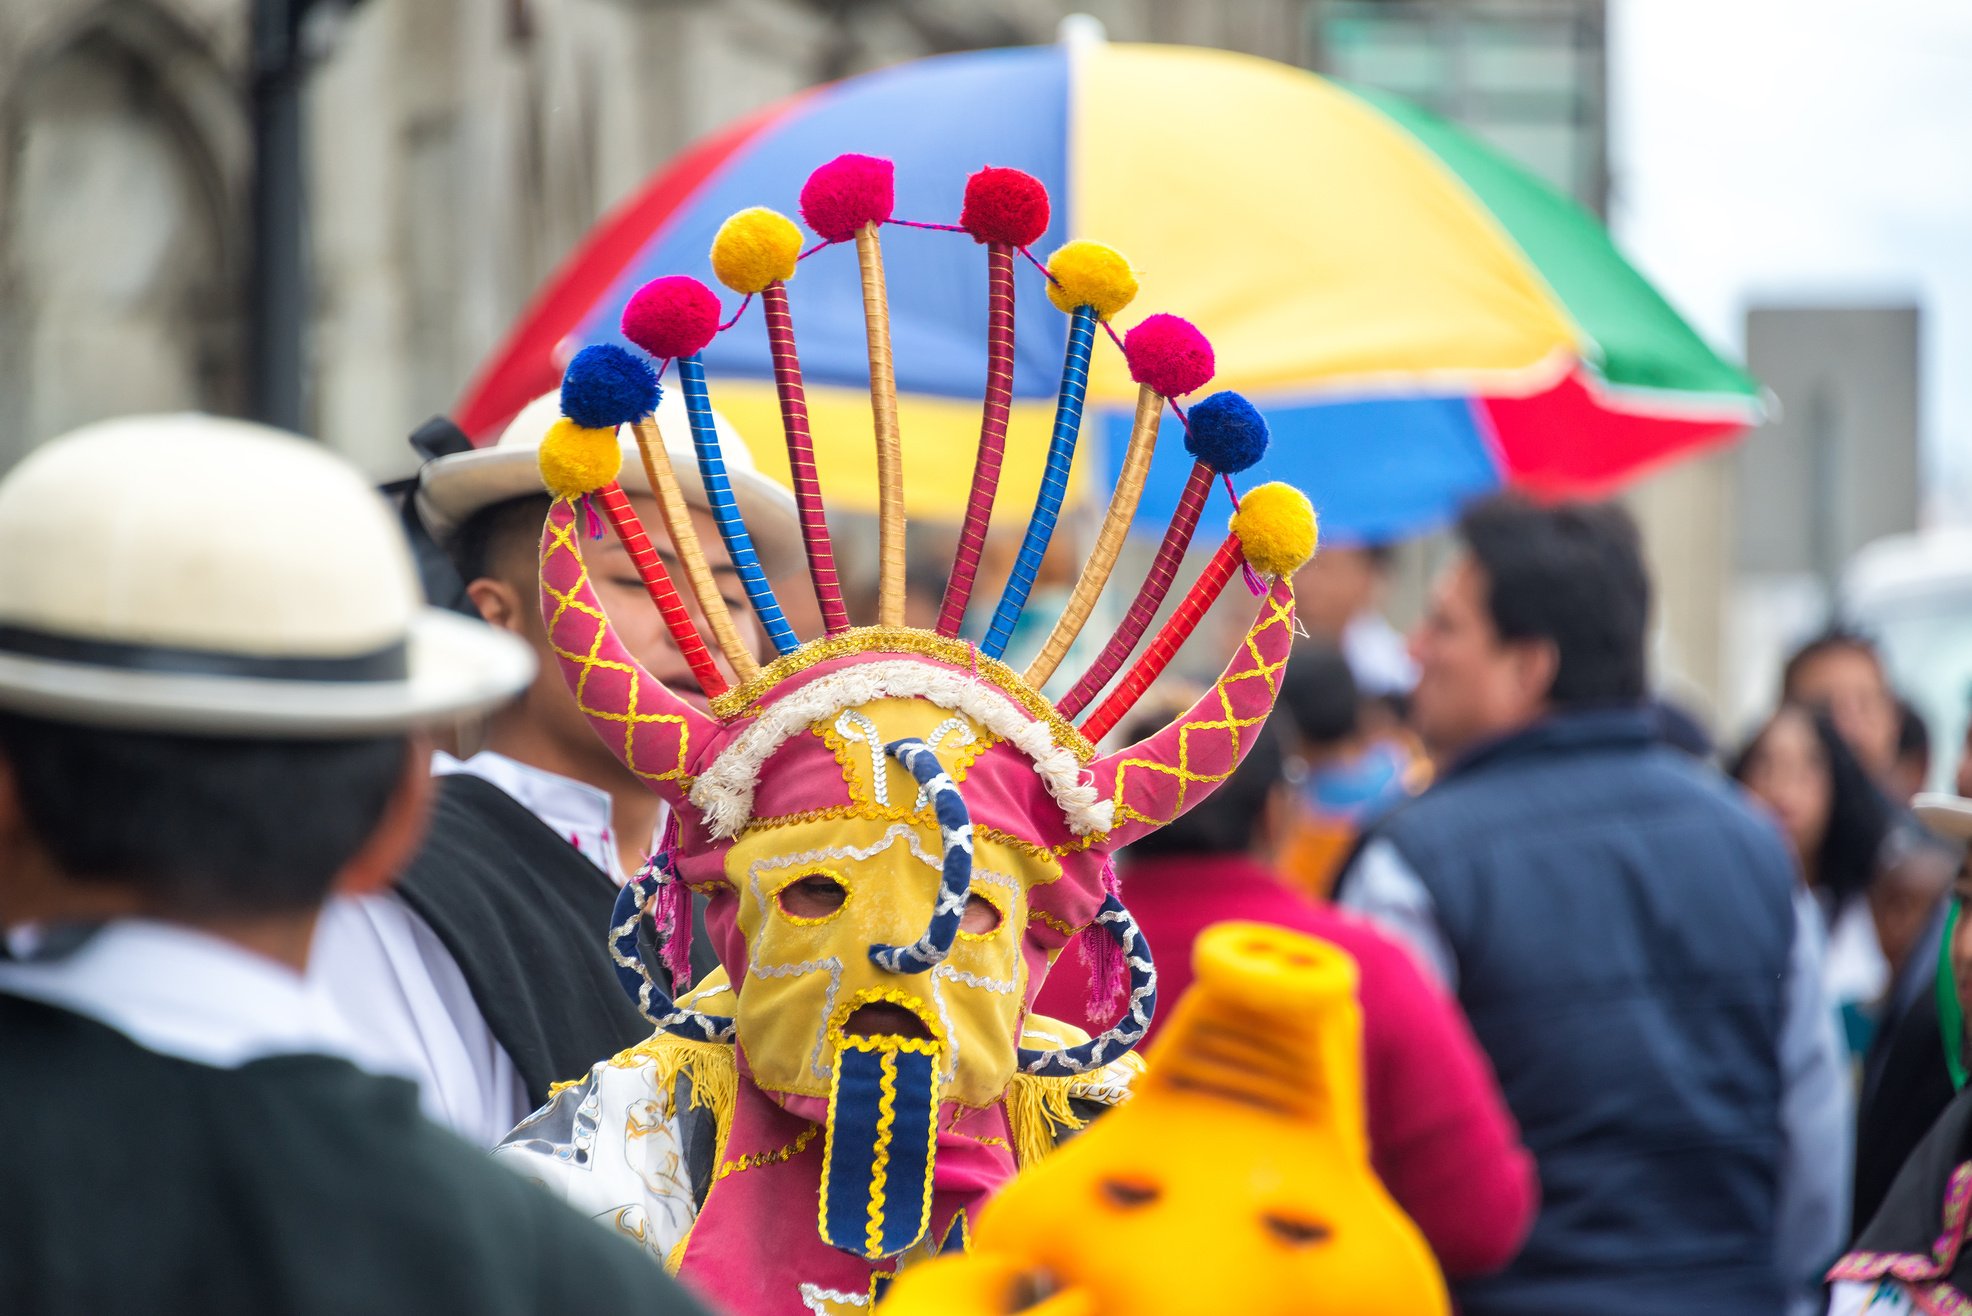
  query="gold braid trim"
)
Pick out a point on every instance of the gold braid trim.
point(742, 700)
point(889, 442)
point(755, 1160)
point(1061, 925)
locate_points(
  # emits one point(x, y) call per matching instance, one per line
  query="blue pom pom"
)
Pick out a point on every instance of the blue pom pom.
point(606, 386)
point(1227, 433)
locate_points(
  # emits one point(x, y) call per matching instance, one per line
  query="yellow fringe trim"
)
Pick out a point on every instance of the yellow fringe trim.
point(676, 1257)
point(1038, 1114)
point(709, 1067)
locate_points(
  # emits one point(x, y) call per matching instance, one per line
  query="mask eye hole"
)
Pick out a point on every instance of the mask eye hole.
point(1128, 1194)
point(981, 918)
point(812, 897)
point(1296, 1233)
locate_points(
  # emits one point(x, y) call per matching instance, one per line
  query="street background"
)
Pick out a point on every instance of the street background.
point(327, 214)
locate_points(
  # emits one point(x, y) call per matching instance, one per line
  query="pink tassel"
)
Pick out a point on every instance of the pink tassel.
point(672, 911)
point(595, 522)
point(1254, 584)
point(1109, 972)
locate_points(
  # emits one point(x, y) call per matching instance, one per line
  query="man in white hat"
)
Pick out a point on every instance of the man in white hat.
point(210, 684)
point(487, 969)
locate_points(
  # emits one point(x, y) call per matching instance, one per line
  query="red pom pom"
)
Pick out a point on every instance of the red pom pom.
point(1005, 205)
point(1169, 356)
point(672, 317)
point(847, 193)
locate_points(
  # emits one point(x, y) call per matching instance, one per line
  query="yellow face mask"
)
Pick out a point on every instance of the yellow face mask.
point(1237, 1179)
point(814, 895)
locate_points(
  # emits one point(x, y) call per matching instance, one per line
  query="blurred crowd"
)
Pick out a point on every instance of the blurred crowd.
point(1532, 650)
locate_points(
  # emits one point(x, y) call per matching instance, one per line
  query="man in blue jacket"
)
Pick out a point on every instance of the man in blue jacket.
point(1627, 936)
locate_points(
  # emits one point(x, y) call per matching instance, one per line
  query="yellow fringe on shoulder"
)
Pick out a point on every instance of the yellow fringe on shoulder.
point(1038, 1114)
point(708, 1066)
point(675, 1258)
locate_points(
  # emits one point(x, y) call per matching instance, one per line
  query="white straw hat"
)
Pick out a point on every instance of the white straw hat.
point(452, 488)
point(187, 573)
point(1947, 815)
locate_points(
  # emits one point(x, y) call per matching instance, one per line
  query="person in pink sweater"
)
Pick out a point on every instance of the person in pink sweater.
point(1440, 1135)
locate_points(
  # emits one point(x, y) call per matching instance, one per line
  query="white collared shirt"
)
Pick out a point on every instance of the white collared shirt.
point(395, 981)
point(184, 993)
point(575, 810)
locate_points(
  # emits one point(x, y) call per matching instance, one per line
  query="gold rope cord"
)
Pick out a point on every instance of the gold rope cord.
point(889, 443)
point(1109, 540)
point(691, 555)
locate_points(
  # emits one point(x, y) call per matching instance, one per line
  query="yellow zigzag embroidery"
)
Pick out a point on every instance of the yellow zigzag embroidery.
point(1278, 614)
point(563, 537)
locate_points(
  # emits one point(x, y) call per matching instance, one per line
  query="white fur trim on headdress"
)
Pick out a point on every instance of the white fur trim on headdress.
point(724, 793)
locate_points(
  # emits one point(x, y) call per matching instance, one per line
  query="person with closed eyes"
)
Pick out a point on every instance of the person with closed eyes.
point(487, 969)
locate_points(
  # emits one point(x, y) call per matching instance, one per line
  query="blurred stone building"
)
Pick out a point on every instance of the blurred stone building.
point(123, 211)
point(453, 152)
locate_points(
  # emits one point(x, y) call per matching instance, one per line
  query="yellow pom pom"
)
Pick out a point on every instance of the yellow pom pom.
point(755, 248)
point(1090, 274)
point(1276, 528)
point(576, 461)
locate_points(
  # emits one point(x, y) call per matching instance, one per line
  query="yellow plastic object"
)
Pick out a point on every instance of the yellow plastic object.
point(1236, 1180)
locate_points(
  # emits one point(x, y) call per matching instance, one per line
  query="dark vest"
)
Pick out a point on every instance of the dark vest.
point(139, 1184)
point(1622, 924)
point(527, 919)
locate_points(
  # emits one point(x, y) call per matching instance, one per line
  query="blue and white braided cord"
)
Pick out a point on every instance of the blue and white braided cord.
point(955, 886)
point(1127, 1031)
point(725, 509)
point(1054, 484)
point(634, 976)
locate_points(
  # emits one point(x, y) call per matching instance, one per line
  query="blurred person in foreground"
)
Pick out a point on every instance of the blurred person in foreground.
point(487, 969)
point(1912, 1254)
point(1345, 774)
point(208, 701)
point(1835, 821)
point(1626, 935)
point(1440, 1138)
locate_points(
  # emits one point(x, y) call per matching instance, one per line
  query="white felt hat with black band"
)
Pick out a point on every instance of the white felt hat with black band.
point(452, 488)
point(188, 573)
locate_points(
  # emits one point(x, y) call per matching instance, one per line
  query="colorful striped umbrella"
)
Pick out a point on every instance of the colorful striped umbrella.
point(1421, 320)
